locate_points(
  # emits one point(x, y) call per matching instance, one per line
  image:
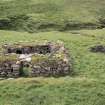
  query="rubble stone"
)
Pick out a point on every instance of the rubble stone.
point(98, 48)
point(48, 59)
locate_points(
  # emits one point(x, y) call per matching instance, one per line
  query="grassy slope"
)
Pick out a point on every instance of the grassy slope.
point(77, 10)
point(42, 13)
point(85, 87)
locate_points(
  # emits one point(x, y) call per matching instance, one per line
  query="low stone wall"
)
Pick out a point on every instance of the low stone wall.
point(51, 68)
point(9, 69)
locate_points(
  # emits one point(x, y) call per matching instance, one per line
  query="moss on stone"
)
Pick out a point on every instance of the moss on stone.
point(10, 57)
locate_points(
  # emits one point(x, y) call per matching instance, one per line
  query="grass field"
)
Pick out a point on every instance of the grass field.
point(86, 86)
point(39, 15)
point(71, 21)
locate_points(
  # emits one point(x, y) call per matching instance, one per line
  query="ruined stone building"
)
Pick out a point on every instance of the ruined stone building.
point(32, 60)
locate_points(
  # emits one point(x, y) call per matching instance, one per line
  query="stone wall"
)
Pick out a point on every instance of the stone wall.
point(50, 59)
point(51, 68)
point(9, 69)
point(28, 49)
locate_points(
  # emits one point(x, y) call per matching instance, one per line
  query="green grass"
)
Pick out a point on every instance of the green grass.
point(84, 10)
point(39, 15)
point(86, 86)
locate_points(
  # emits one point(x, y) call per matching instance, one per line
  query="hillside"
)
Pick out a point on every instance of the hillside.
point(80, 25)
point(61, 15)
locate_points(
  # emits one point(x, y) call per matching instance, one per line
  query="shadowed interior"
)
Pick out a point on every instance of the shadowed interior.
point(40, 49)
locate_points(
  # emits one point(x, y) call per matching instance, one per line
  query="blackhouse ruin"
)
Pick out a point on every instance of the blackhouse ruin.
point(32, 60)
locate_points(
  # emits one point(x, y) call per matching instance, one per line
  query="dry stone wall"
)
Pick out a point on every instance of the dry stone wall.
point(51, 68)
point(9, 69)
